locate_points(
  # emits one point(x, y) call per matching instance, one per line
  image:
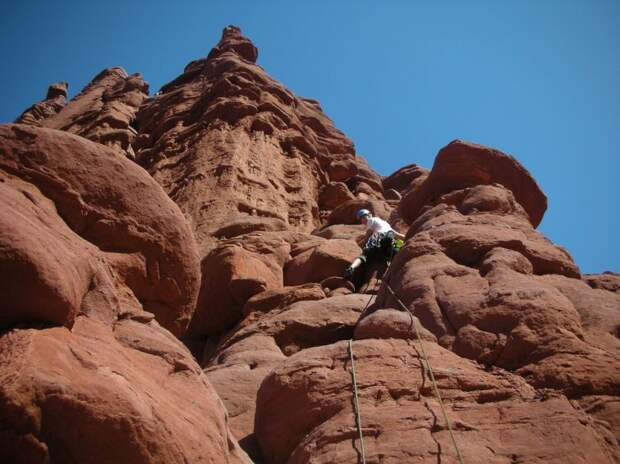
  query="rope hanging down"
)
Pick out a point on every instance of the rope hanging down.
point(431, 374)
point(358, 416)
point(428, 368)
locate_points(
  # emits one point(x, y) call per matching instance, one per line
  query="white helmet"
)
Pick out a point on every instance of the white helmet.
point(361, 213)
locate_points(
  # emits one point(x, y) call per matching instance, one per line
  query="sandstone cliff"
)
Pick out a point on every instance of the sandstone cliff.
point(171, 278)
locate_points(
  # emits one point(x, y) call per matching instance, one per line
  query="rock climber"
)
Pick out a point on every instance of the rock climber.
point(379, 240)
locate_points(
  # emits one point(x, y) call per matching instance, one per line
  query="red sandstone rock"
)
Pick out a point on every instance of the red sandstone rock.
point(233, 41)
point(257, 150)
point(247, 225)
point(491, 288)
point(232, 276)
point(334, 194)
point(460, 164)
point(606, 281)
point(303, 324)
point(599, 310)
point(236, 374)
point(366, 180)
point(256, 346)
point(391, 323)
point(100, 394)
point(90, 242)
point(341, 170)
point(111, 210)
point(329, 258)
point(55, 100)
point(240, 153)
point(281, 297)
point(102, 112)
point(605, 411)
point(346, 213)
point(305, 410)
point(238, 269)
point(46, 270)
point(353, 232)
point(333, 283)
point(402, 179)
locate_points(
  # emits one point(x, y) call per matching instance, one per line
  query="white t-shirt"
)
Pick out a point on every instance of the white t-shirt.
point(378, 226)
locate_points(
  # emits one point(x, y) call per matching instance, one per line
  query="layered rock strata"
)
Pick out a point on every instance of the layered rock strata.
point(104, 111)
point(234, 239)
point(97, 263)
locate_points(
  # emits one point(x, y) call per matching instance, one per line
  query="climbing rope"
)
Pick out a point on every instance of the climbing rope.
point(358, 415)
point(428, 368)
point(373, 294)
point(430, 371)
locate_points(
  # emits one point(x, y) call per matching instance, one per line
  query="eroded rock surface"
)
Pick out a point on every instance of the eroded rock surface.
point(54, 101)
point(104, 111)
point(103, 272)
point(229, 143)
point(92, 255)
point(305, 411)
point(98, 393)
point(80, 202)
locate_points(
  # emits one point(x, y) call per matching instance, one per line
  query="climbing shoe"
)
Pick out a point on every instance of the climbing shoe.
point(348, 273)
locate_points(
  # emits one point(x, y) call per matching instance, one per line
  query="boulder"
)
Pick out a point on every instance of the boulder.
point(99, 395)
point(88, 199)
point(346, 213)
point(334, 194)
point(282, 297)
point(236, 374)
point(391, 323)
point(462, 164)
point(329, 258)
point(232, 275)
point(605, 281)
point(341, 170)
point(54, 101)
point(401, 179)
point(303, 324)
point(344, 231)
point(305, 410)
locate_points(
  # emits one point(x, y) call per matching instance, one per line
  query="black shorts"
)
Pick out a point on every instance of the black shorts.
point(380, 246)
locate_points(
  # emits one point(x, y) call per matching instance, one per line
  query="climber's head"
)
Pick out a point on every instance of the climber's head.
point(363, 215)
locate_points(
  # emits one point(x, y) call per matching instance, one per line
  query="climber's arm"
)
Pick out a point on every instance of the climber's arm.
point(399, 236)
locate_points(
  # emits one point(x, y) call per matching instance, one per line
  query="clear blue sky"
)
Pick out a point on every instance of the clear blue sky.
point(538, 79)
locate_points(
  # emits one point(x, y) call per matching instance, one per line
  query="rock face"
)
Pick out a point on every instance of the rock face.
point(240, 154)
point(103, 112)
point(484, 285)
point(305, 414)
point(229, 143)
point(55, 100)
point(108, 392)
point(493, 289)
point(81, 203)
point(234, 238)
point(453, 170)
point(96, 262)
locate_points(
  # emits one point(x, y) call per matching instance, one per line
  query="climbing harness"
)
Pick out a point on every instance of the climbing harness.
point(358, 416)
point(428, 368)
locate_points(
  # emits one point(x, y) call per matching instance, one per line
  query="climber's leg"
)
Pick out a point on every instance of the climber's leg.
point(357, 262)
